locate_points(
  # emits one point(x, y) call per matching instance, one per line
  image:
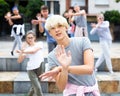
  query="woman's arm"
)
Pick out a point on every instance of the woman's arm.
point(32, 50)
point(41, 28)
point(8, 18)
point(10, 22)
point(87, 67)
point(21, 56)
point(65, 60)
point(16, 17)
point(82, 12)
point(105, 25)
point(60, 73)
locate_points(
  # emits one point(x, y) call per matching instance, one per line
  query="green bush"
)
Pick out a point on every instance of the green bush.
point(33, 8)
point(117, 1)
point(4, 8)
point(112, 16)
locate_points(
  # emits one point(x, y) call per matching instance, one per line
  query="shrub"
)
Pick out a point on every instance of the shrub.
point(33, 8)
point(112, 16)
point(4, 7)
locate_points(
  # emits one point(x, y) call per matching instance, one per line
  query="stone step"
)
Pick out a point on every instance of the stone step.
point(18, 83)
point(10, 64)
point(45, 94)
point(108, 83)
point(55, 94)
point(115, 65)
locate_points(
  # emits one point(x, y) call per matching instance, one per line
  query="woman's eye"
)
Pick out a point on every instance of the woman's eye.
point(59, 26)
point(53, 28)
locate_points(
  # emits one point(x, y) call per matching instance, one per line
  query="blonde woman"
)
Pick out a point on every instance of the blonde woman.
point(71, 63)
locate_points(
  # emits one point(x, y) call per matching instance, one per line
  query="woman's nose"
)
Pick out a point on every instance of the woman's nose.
point(56, 29)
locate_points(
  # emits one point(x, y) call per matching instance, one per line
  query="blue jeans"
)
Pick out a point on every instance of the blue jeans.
point(105, 55)
point(51, 46)
point(17, 40)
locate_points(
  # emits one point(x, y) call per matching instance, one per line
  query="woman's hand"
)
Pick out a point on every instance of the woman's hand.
point(35, 22)
point(63, 57)
point(93, 25)
point(8, 15)
point(18, 51)
point(50, 74)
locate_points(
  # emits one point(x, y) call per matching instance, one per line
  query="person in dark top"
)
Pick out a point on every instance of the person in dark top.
point(16, 21)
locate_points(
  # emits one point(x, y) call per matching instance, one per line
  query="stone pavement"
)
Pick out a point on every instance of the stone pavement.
point(5, 48)
point(53, 94)
point(45, 94)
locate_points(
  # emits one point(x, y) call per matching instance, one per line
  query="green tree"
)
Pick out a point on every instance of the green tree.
point(4, 7)
point(33, 8)
point(113, 16)
point(117, 1)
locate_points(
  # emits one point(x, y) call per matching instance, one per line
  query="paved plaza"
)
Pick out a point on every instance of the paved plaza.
point(5, 48)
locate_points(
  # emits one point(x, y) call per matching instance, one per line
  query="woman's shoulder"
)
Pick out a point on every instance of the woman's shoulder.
point(79, 39)
point(106, 21)
point(38, 44)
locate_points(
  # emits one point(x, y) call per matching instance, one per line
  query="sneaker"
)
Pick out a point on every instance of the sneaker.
point(96, 69)
point(12, 53)
point(111, 72)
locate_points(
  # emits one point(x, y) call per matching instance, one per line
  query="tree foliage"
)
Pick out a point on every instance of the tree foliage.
point(33, 8)
point(4, 7)
point(117, 1)
point(113, 16)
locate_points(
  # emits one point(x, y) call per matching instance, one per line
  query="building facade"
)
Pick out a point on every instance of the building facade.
point(92, 8)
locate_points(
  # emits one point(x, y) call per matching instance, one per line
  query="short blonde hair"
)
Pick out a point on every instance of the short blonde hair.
point(100, 15)
point(55, 20)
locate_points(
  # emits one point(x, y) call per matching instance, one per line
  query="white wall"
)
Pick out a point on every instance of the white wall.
point(93, 9)
point(62, 6)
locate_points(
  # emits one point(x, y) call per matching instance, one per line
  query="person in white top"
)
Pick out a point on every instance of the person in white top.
point(33, 51)
point(105, 39)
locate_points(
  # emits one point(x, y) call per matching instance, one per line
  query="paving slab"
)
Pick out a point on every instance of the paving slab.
point(5, 48)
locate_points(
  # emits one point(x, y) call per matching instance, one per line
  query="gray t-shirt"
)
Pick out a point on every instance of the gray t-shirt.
point(77, 46)
point(80, 21)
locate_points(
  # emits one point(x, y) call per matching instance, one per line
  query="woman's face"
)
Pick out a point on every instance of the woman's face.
point(44, 13)
point(16, 11)
point(30, 39)
point(58, 32)
point(99, 19)
point(77, 8)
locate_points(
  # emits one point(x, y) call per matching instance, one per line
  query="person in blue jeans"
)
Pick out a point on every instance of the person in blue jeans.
point(105, 39)
point(41, 21)
point(17, 32)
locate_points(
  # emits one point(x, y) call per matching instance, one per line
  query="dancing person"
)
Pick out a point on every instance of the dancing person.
point(41, 21)
point(105, 39)
point(33, 51)
point(16, 21)
point(71, 63)
point(71, 29)
point(79, 17)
